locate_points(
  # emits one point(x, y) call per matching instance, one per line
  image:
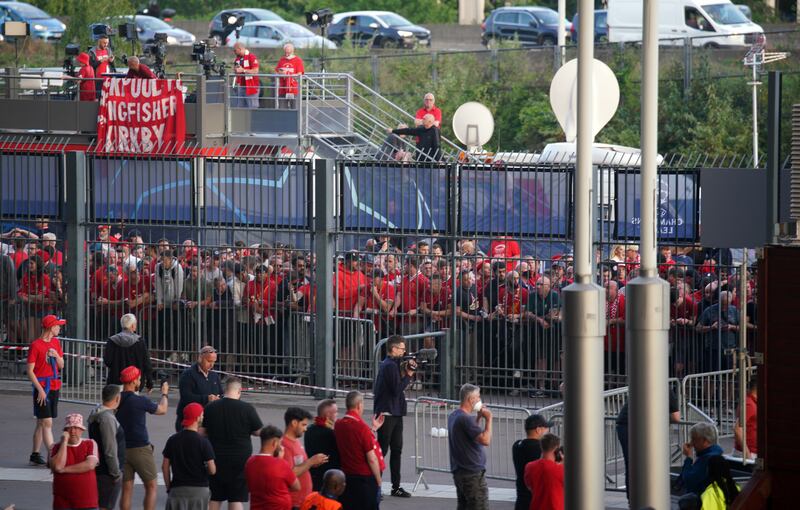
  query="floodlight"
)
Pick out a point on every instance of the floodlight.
point(16, 29)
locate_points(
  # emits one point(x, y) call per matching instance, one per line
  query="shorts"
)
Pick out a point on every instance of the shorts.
point(140, 461)
point(49, 409)
point(229, 484)
point(108, 491)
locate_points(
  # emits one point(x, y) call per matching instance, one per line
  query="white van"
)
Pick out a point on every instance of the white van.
point(710, 23)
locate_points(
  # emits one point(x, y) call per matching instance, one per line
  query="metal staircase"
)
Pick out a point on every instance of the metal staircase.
point(369, 117)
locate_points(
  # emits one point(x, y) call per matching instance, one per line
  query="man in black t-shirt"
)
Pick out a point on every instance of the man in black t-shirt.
point(471, 312)
point(319, 438)
point(229, 423)
point(622, 430)
point(527, 450)
point(188, 461)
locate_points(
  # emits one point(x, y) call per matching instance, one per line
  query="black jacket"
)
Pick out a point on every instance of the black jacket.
point(195, 387)
point(320, 439)
point(127, 349)
point(428, 142)
point(390, 388)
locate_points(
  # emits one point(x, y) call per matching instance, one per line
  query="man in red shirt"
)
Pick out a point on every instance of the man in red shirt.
point(269, 477)
point(45, 361)
point(296, 420)
point(545, 477)
point(615, 336)
point(380, 296)
point(246, 89)
point(73, 461)
point(101, 59)
point(750, 447)
point(412, 289)
point(360, 455)
point(138, 70)
point(507, 249)
point(349, 279)
point(429, 108)
point(290, 65)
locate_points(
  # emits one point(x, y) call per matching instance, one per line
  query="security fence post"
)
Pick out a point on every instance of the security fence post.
point(448, 357)
point(74, 204)
point(323, 196)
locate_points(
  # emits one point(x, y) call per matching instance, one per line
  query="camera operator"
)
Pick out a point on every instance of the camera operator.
point(394, 375)
point(102, 59)
point(138, 70)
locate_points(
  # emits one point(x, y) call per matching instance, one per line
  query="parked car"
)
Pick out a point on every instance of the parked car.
point(380, 29)
point(274, 34)
point(147, 27)
point(528, 25)
point(600, 27)
point(43, 26)
point(709, 23)
point(216, 31)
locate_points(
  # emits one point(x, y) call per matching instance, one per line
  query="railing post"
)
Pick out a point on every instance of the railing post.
point(75, 217)
point(201, 101)
point(376, 83)
point(324, 198)
point(687, 66)
point(450, 340)
point(434, 69)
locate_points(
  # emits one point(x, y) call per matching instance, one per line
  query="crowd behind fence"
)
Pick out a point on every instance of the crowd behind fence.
point(221, 251)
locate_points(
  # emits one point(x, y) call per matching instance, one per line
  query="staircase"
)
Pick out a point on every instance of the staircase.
point(346, 119)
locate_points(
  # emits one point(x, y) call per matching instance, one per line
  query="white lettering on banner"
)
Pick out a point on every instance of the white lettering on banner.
point(138, 115)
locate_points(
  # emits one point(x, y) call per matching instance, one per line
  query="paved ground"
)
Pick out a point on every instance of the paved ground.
point(29, 488)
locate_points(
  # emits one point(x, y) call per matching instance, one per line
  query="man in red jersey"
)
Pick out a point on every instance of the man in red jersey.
point(45, 361)
point(290, 65)
point(545, 477)
point(245, 66)
point(73, 461)
point(428, 107)
point(269, 477)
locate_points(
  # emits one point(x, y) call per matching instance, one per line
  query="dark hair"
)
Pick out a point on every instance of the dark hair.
point(550, 442)
point(720, 473)
point(436, 276)
point(412, 261)
point(752, 385)
point(324, 405)
point(295, 414)
point(110, 392)
point(394, 340)
point(422, 243)
point(270, 432)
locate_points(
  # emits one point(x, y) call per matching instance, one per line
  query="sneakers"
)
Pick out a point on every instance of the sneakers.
point(400, 493)
point(37, 460)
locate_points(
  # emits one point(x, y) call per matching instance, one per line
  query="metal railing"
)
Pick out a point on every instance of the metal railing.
point(431, 444)
point(714, 394)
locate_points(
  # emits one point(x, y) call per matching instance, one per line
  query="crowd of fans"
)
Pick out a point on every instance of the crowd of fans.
point(250, 301)
point(209, 460)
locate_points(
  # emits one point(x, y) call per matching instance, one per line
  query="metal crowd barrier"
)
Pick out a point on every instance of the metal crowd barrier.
point(355, 343)
point(84, 373)
point(431, 448)
point(715, 395)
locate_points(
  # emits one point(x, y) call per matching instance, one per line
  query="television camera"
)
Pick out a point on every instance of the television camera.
point(155, 54)
point(205, 57)
point(422, 359)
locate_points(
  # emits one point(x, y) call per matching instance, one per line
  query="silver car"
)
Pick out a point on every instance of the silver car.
point(274, 34)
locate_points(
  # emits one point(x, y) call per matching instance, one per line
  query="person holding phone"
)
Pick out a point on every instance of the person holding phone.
point(468, 442)
point(270, 479)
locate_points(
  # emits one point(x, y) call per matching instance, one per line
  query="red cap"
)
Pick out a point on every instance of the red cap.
point(51, 320)
point(101, 227)
point(129, 374)
point(191, 413)
point(83, 58)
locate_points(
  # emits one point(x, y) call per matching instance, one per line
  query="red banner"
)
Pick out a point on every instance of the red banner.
point(140, 115)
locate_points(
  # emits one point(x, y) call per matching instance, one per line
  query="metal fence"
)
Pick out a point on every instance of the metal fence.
point(431, 444)
point(223, 251)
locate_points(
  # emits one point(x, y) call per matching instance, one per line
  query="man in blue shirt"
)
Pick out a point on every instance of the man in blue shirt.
point(390, 401)
point(199, 383)
point(132, 415)
point(467, 441)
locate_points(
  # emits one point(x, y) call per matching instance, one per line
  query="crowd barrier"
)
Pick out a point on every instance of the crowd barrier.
point(431, 448)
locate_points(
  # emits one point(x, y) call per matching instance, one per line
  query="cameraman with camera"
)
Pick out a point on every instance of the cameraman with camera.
point(394, 376)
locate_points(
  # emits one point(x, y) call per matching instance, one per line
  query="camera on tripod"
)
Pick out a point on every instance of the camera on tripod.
point(155, 53)
point(422, 358)
point(70, 51)
point(205, 57)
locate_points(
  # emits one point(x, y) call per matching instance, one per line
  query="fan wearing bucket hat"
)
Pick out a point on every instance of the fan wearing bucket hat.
point(45, 362)
point(73, 462)
point(132, 415)
point(188, 462)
